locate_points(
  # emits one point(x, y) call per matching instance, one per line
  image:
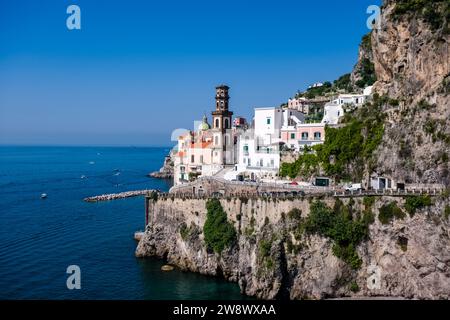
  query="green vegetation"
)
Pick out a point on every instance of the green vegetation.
point(366, 41)
point(389, 212)
point(447, 212)
point(154, 196)
point(346, 149)
point(295, 214)
point(250, 229)
point(354, 287)
point(193, 175)
point(264, 249)
point(350, 147)
point(367, 72)
point(305, 165)
point(339, 225)
point(219, 232)
point(186, 232)
point(434, 12)
point(344, 83)
point(311, 93)
point(416, 202)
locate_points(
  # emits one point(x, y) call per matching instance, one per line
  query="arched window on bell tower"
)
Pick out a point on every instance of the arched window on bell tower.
point(217, 123)
point(226, 123)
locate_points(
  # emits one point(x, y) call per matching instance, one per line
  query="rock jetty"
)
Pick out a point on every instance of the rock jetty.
point(121, 195)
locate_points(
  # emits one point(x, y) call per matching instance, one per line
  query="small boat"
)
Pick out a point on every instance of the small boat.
point(43, 195)
point(83, 177)
point(117, 174)
point(91, 162)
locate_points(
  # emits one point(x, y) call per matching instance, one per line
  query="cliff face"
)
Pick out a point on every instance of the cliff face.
point(408, 258)
point(411, 59)
point(411, 56)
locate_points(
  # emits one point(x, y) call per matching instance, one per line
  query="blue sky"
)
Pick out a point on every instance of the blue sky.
point(139, 69)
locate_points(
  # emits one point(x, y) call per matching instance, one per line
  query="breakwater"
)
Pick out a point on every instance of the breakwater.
point(121, 195)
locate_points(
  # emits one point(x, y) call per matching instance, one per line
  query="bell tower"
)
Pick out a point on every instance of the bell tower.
point(222, 116)
point(223, 143)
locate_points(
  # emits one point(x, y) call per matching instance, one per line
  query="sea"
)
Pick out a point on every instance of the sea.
point(41, 238)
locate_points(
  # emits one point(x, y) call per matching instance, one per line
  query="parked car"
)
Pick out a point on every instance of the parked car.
point(353, 187)
point(294, 183)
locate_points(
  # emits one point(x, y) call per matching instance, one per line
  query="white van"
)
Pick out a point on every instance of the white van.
point(353, 187)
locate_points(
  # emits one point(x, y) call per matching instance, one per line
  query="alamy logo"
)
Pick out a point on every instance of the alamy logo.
point(74, 280)
point(73, 22)
point(374, 20)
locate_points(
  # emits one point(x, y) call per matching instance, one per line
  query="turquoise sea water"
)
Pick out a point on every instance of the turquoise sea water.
point(40, 238)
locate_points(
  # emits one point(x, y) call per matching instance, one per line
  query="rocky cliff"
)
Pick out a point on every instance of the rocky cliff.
point(166, 171)
point(411, 60)
point(408, 257)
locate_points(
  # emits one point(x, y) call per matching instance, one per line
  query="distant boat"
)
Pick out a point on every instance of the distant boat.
point(83, 177)
point(91, 162)
point(43, 196)
point(117, 174)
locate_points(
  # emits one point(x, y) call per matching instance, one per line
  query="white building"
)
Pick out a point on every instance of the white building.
point(335, 109)
point(258, 149)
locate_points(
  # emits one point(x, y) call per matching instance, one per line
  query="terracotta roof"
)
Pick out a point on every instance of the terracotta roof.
point(201, 145)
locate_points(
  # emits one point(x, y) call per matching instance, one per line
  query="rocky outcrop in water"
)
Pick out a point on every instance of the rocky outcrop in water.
point(166, 171)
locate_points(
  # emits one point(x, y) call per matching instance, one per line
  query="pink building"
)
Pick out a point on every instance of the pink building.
point(308, 134)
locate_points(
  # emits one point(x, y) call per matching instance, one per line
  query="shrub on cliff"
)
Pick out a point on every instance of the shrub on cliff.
point(218, 231)
point(389, 212)
point(416, 202)
point(339, 225)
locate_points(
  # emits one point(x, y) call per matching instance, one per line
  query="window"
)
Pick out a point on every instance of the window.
point(246, 149)
point(226, 140)
point(226, 124)
point(201, 159)
point(317, 135)
point(268, 120)
point(192, 158)
point(216, 140)
point(217, 123)
point(272, 163)
point(292, 135)
point(261, 162)
point(304, 135)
